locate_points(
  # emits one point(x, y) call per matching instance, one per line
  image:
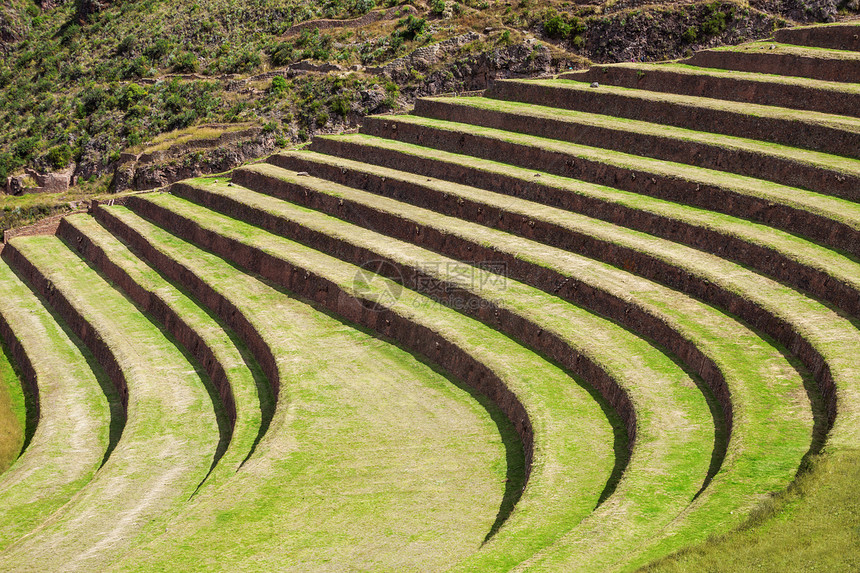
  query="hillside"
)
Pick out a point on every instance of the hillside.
point(88, 87)
point(605, 319)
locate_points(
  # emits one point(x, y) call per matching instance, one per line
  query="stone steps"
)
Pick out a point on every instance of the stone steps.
point(783, 60)
point(828, 133)
point(75, 430)
point(838, 98)
point(170, 436)
point(545, 403)
point(778, 163)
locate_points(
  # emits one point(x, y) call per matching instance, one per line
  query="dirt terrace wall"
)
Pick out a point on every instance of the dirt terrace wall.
point(417, 338)
point(727, 88)
point(769, 261)
point(838, 37)
point(76, 322)
point(709, 196)
point(183, 148)
point(653, 268)
point(469, 303)
point(28, 375)
point(518, 327)
point(369, 18)
point(202, 293)
point(712, 156)
point(157, 309)
point(765, 260)
point(765, 62)
point(807, 135)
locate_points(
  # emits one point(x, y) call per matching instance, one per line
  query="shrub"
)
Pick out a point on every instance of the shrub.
point(437, 7)
point(340, 105)
point(131, 95)
point(283, 54)
point(556, 27)
point(8, 164)
point(279, 85)
point(690, 34)
point(126, 45)
point(243, 62)
point(411, 27)
point(186, 62)
point(715, 22)
point(157, 50)
point(25, 147)
point(136, 68)
point(60, 156)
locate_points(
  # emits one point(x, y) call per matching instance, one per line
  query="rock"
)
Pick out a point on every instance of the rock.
point(595, 85)
point(86, 8)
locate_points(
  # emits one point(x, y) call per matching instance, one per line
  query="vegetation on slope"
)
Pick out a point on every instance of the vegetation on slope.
point(813, 526)
point(12, 412)
point(80, 83)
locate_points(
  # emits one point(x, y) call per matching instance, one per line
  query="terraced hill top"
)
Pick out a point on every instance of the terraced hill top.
point(601, 322)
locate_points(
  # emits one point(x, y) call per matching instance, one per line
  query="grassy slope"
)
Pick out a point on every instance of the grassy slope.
point(813, 526)
point(836, 122)
point(841, 210)
point(673, 436)
point(13, 412)
point(806, 252)
point(623, 125)
point(80, 415)
point(573, 457)
point(168, 441)
point(686, 69)
point(794, 50)
point(829, 331)
point(251, 394)
point(319, 390)
point(764, 386)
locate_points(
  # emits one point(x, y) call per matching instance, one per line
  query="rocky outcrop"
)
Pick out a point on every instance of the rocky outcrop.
point(34, 182)
point(86, 8)
point(191, 159)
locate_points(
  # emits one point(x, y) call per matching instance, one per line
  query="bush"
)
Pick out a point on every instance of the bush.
point(127, 45)
point(715, 21)
point(690, 34)
point(412, 26)
point(186, 62)
point(279, 85)
point(283, 54)
point(60, 156)
point(25, 148)
point(714, 24)
point(131, 95)
point(340, 105)
point(8, 164)
point(136, 68)
point(437, 7)
point(556, 27)
point(243, 62)
point(157, 50)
